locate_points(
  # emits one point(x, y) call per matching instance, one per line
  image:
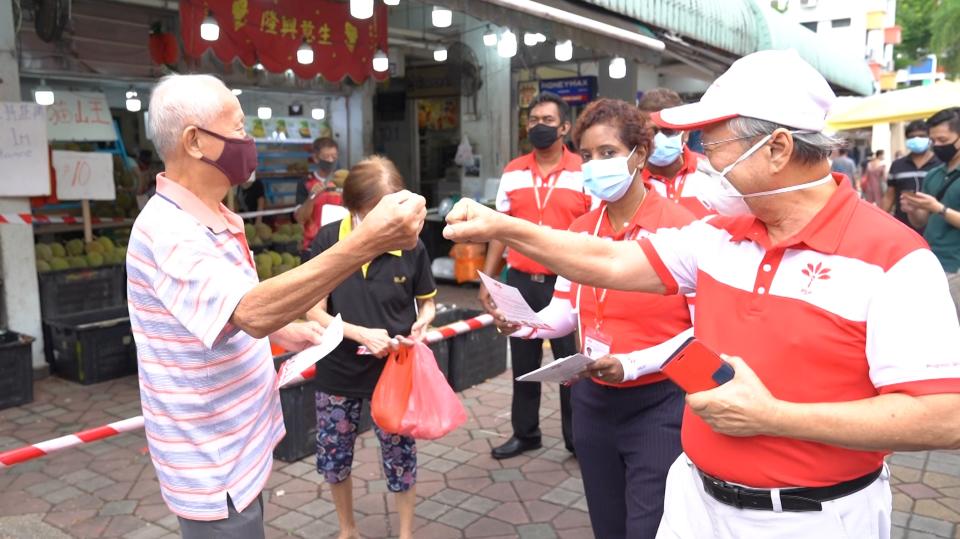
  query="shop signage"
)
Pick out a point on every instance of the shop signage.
point(84, 175)
point(80, 116)
point(573, 90)
point(269, 32)
point(23, 150)
point(433, 81)
point(286, 129)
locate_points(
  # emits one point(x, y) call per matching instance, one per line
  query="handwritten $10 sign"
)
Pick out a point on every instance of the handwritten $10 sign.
point(23, 150)
point(84, 175)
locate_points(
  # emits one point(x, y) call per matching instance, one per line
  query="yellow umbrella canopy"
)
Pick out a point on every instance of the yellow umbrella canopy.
point(896, 106)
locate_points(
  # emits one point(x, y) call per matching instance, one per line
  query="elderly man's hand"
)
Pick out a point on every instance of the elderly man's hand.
point(470, 221)
point(741, 407)
point(298, 336)
point(396, 221)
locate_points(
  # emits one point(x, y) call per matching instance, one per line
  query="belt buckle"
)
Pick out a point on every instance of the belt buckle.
point(726, 490)
point(538, 277)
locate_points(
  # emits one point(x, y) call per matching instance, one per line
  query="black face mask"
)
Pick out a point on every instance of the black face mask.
point(543, 136)
point(325, 166)
point(946, 152)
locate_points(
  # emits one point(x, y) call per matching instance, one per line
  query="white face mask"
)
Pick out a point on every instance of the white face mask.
point(608, 179)
point(734, 205)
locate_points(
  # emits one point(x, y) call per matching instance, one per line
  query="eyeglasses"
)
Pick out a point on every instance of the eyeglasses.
point(714, 143)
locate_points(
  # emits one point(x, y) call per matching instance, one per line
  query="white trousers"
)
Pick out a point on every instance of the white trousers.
point(690, 513)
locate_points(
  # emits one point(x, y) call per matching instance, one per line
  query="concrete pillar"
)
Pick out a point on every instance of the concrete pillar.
point(18, 268)
point(487, 126)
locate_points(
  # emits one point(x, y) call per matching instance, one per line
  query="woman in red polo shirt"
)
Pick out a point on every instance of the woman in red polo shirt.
point(626, 416)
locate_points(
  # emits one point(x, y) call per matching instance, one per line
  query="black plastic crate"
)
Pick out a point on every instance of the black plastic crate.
point(82, 290)
point(292, 247)
point(475, 356)
point(92, 347)
point(16, 370)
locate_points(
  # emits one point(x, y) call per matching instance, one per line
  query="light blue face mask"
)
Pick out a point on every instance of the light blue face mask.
point(608, 179)
point(666, 149)
point(918, 144)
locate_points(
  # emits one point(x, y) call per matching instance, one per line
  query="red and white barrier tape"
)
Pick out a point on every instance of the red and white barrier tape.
point(30, 452)
point(30, 219)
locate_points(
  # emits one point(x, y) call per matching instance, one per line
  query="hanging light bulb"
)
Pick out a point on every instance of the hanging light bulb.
point(541, 38)
point(529, 39)
point(133, 101)
point(318, 113)
point(305, 53)
point(43, 95)
point(563, 51)
point(507, 47)
point(264, 113)
point(490, 38)
point(361, 9)
point(441, 17)
point(618, 68)
point(258, 66)
point(209, 29)
point(380, 62)
point(236, 91)
point(391, 2)
point(440, 55)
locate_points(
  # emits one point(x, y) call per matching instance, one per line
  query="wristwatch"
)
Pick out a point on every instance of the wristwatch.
point(943, 210)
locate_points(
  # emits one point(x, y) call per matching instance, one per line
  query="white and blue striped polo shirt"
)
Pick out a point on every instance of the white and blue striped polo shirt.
point(210, 402)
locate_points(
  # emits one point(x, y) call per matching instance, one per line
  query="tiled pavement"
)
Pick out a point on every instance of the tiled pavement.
point(108, 488)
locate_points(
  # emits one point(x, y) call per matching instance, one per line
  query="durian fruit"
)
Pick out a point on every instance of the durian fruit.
point(78, 261)
point(75, 247)
point(94, 247)
point(264, 259)
point(58, 250)
point(250, 231)
point(264, 232)
point(107, 243)
point(281, 269)
point(43, 266)
point(287, 259)
point(44, 252)
point(59, 263)
point(95, 260)
point(277, 259)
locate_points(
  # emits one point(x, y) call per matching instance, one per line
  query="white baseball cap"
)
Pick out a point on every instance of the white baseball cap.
point(774, 85)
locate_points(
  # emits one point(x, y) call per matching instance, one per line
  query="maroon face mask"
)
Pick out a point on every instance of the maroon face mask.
point(238, 159)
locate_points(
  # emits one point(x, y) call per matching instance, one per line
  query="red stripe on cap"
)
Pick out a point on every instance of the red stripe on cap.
point(22, 454)
point(657, 119)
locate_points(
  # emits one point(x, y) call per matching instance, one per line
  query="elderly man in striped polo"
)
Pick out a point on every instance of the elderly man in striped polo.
point(200, 317)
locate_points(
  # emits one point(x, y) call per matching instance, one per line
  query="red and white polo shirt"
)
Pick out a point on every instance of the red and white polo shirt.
point(695, 186)
point(633, 320)
point(554, 199)
point(853, 306)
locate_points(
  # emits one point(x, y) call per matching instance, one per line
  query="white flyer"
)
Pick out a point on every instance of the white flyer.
point(558, 371)
point(332, 337)
point(511, 303)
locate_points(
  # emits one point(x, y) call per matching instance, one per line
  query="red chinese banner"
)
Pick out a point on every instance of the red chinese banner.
point(271, 31)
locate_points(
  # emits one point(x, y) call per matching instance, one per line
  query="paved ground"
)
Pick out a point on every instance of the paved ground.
point(108, 489)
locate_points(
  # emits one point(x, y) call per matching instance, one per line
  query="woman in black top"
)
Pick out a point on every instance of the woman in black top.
point(388, 299)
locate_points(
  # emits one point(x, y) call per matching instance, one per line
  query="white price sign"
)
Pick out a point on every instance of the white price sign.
point(84, 175)
point(23, 150)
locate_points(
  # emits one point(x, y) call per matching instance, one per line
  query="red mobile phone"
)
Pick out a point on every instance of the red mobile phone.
point(694, 367)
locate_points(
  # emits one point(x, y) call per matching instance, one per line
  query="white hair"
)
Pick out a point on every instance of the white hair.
point(807, 147)
point(177, 102)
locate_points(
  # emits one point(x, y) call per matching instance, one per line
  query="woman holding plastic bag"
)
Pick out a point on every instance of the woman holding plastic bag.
point(626, 415)
point(390, 298)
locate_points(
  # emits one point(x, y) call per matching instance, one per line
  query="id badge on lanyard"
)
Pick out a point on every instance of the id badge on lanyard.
point(596, 343)
point(541, 206)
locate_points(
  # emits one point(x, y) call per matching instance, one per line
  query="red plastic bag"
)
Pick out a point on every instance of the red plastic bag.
point(392, 394)
point(433, 409)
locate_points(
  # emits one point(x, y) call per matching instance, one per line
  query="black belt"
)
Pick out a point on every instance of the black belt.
point(794, 499)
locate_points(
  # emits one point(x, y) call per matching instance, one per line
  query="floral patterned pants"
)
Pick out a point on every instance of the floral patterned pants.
point(338, 420)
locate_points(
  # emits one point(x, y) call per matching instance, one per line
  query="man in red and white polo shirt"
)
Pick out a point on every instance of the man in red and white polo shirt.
point(679, 173)
point(545, 188)
point(807, 293)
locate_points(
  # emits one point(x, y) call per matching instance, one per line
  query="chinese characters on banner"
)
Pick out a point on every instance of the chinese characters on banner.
point(271, 31)
point(23, 150)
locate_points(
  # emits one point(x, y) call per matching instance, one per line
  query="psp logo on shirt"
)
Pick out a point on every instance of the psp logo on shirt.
point(399, 279)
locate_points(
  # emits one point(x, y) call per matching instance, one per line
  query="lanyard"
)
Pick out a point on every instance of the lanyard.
point(552, 182)
point(600, 298)
point(675, 188)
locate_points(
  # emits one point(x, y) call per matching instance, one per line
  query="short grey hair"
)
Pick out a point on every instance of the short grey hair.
point(808, 147)
point(177, 102)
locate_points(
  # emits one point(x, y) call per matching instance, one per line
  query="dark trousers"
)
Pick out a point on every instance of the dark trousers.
point(527, 355)
point(626, 440)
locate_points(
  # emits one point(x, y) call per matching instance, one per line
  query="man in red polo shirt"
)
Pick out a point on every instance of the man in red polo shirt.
point(543, 187)
point(317, 190)
point(679, 173)
point(807, 293)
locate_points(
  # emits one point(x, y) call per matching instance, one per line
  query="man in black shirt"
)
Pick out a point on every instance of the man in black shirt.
point(908, 172)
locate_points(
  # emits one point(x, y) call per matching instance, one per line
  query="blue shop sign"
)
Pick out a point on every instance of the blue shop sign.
point(573, 90)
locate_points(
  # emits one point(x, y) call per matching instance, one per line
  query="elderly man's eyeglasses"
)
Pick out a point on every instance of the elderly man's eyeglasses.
point(714, 143)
